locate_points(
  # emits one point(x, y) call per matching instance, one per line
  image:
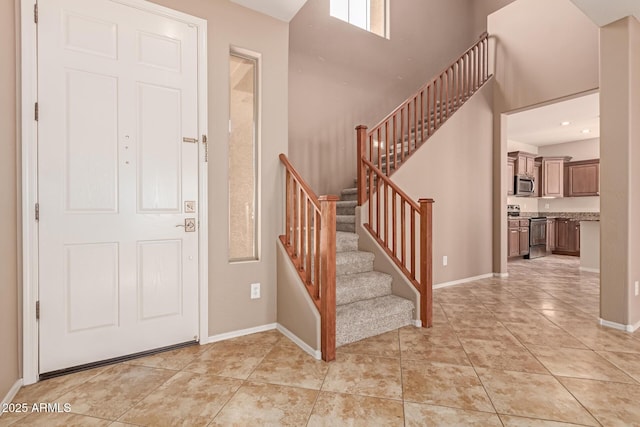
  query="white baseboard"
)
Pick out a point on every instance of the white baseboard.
point(239, 333)
point(15, 388)
point(589, 270)
point(461, 281)
point(501, 275)
point(418, 323)
point(316, 354)
point(619, 326)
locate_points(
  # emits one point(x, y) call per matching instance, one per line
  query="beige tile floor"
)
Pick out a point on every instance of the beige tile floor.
point(522, 351)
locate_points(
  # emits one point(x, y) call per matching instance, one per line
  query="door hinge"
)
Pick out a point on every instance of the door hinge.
point(205, 141)
point(37, 211)
point(35, 13)
point(37, 310)
point(36, 111)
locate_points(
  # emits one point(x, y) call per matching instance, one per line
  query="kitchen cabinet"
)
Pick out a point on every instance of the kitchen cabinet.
point(524, 163)
point(567, 233)
point(582, 178)
point(518, 237)
point(552, 176)
point(551, 234)
point(510, 175)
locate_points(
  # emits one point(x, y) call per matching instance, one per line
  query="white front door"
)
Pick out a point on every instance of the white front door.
point(118, 269)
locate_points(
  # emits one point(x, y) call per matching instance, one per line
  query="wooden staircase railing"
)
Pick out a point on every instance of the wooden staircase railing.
point(310, 241)
point(384, 148)
point(389, 143)
point(395, 218)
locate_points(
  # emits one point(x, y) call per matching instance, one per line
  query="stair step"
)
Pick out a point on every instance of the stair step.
point(349, 194)
point(353, 262)
point(367, 318)
point(355, 287)
point(346, 207)
point(346, 223)
point(346, 242)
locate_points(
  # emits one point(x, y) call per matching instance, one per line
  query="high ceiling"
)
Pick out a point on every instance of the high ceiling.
point(604, 12)
point(564, 121)
point(283, 10)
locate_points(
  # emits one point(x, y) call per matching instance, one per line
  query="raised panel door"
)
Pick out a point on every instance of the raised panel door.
point(514, 242)
point(583, 180)
point(524, 240)
point(552, 174)
point(117, 92)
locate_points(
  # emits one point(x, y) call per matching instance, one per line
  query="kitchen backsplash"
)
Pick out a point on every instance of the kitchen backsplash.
point(565, 204)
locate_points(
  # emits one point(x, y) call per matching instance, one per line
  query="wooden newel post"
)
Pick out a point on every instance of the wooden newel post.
point(361, 132)
point(426, 261)
point(328, 277)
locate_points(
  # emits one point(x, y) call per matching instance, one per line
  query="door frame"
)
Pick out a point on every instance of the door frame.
point(29, 176)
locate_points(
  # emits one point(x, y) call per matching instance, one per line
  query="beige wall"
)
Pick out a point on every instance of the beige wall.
point(543, 50)
point(9, 348)
point(342, 76)
point(483, 8)
point(578, 150)
point(230, 307)
point(454, 168)
point(296, 310)
point(620, 166)
point(633, 258)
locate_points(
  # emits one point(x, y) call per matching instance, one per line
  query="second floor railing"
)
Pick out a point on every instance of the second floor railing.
point(389, 143)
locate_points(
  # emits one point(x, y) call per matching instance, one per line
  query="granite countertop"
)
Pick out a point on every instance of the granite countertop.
point(580, 216)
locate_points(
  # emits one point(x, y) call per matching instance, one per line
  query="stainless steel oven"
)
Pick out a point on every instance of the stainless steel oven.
point(537, 238)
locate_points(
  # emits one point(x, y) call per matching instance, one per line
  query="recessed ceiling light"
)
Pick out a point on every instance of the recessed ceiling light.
point(565, 123)
point(586, 130)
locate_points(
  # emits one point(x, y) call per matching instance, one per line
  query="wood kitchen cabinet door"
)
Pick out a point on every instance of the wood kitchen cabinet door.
point(582, 178)
point(510, 176)
point(524, 240)
point(567, 237)
point(513, 242)
point(562, 234)
point(551, 235)
point(552, 178)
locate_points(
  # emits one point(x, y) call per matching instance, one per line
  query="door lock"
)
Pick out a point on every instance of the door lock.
point(189, 225)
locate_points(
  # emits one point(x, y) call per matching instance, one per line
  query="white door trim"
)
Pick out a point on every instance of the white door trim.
point(29, 138)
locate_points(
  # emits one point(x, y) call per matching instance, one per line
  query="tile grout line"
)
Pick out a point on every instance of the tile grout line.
point(244, 381)
point(473, 367)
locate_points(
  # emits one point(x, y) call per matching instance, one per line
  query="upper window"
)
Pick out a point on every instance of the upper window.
point(370, 15)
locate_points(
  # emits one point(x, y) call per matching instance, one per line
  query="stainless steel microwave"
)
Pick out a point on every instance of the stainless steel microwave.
point(524, 185)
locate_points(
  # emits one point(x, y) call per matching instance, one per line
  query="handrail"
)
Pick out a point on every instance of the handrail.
point(310, 242)
point(392, 234)
point(396, 137)
point(381, 122)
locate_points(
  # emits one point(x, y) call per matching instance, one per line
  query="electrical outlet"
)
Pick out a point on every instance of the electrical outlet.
point(546, 205)
point(255, 290)
point(445, 260)
point(637, 286)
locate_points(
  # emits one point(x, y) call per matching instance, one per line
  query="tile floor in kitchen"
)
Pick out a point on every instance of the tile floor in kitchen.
point(522, 351)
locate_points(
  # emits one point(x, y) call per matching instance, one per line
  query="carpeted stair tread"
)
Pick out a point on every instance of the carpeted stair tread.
point(346, 223)
point(353, 262)
point(367, 318)
point(355, 287)
point(346, 242)
point(345, 219)
point(346, 207)
point(349, 194)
